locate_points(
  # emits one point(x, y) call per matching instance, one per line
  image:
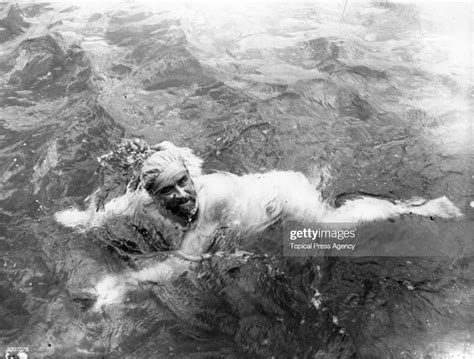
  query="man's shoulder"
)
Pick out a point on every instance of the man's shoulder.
point(227, 181)
point(216, 187)
point(216, 179)
point(274, 177)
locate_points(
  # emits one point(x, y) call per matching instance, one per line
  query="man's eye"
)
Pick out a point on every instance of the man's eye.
point(183, 181)
point(166, 190)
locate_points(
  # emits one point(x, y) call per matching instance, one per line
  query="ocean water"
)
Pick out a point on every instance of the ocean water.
point(371, 97)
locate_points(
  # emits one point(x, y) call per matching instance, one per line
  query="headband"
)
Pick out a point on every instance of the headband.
point(168, 173)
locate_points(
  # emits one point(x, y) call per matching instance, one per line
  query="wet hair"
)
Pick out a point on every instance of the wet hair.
point(158, 162)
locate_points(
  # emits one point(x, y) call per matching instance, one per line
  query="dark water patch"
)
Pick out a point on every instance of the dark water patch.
point(252, 140)
point(278, 88)
point(49, 70)
point(251, 134)
point(322, 91)
point(20, 201)
point(197, 109)
point(206, 89)
point(123, 37)
point(36, 9)
point(27, 278)
point(161, 33)
point(330, 66)
point(159, 52)
point(140, 236)
point(341, 198)
point(121, 69)
point(18, 169)
point(367, 72)
point(288, 96)
point(126, 19)
point(95, 17)
point(284, 323)
point(69, 9)
point(81, 143)
point(55, 24)
point(166, 84)
point(352, 105)
point(42, 44)
point(9, 139)
point(319, 53)
point(10, 98)
point(221, 93)
point(14, 315)
point(49, 162)
point(323, 49)
point(13, 25)
point(151, 48)
point(6, 64)
point(299, 105)
point(173, 66)
point(180, 340)
point(389, 301)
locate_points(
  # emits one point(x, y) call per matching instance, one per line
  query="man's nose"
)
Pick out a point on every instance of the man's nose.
point(180, 191)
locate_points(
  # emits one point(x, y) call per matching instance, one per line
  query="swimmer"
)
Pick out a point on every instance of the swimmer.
point(204, 204)
point(248, 204)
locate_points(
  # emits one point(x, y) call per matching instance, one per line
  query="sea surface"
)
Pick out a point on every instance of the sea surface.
point(372, 97)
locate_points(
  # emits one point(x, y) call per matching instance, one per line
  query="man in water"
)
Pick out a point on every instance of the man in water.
point(206, 206)
point(243, 205)
point(209, 212)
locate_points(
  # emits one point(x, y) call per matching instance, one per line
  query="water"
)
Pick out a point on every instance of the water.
point(374, 98)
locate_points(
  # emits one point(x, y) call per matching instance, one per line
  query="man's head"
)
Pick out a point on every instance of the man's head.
point(168, 181)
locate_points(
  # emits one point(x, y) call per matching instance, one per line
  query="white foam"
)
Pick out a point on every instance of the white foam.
point(73, 217)
point(113, 288)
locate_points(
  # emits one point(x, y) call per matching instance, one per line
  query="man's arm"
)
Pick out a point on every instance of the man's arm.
point(124, 205)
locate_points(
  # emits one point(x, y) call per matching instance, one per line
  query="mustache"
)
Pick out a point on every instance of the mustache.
point(184, 200)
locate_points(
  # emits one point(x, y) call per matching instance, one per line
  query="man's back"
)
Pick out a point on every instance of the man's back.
point(245, 205)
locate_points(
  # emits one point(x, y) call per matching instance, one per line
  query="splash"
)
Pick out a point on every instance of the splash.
point(74, 218)
point(113, 288)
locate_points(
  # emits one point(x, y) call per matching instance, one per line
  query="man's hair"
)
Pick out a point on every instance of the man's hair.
point(166, 155)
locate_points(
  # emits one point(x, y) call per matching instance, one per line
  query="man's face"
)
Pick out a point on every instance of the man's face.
point(177, 194)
